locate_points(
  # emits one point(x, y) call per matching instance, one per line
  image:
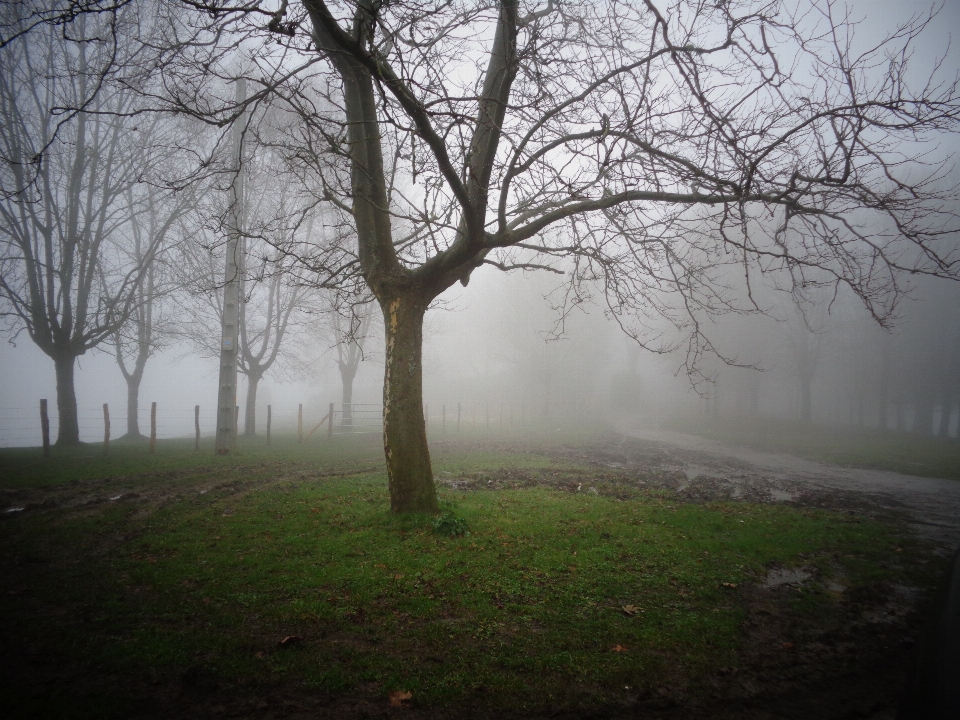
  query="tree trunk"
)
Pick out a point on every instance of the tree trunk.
point(346, 379)
point(133, 405)
point(883, 405)
point(250, 411)
point(69, 431)
point(404, 434)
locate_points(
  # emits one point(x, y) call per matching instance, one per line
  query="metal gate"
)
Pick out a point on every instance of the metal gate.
point(357, 419)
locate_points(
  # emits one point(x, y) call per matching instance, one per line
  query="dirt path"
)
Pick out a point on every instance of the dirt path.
point(932, 503)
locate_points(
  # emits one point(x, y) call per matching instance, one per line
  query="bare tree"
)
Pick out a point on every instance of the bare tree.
point(153, 212)
point(71, 150)
point(350, 326)
point(654, 147)
point(657, 148)
point(272, 290)
point(262, 330)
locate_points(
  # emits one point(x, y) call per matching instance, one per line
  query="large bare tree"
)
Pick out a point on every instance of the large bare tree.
point(658, 145)
point(646, 148)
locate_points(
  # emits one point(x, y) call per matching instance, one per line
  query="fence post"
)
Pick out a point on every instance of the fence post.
point(443, 426)
point(106, 429)
point(153, 427)
point(300, 423)
point(330, 422)
point(458, 417)
point(196, 427)
point(45, 428)
point(269, 419)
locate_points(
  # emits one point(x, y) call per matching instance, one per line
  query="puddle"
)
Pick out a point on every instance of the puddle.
point(13, 510)
point(781, 495)
point(786, 576)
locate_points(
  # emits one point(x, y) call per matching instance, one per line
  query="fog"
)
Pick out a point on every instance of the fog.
point(523, 347)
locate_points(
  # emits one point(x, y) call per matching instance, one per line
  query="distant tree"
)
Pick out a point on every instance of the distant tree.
point(272, 289)
point(70, 152)
point(350, 326)
point(154, 214)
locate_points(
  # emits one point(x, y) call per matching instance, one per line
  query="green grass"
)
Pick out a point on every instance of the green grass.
point(867, 448)
point(526, 611)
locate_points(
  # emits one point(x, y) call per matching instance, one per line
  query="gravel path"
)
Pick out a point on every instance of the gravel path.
point(933, 504)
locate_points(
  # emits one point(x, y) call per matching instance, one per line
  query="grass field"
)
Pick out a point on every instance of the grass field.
point(875, 449)
point(140, 586)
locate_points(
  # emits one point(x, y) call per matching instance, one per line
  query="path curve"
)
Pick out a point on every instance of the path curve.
point(933, 503)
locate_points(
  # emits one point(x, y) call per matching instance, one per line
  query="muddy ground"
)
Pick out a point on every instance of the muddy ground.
point(854, 668)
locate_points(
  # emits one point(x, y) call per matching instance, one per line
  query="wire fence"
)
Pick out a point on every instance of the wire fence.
point(21, 426)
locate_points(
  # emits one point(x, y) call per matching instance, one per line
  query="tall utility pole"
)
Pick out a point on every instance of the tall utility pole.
point(227, 393)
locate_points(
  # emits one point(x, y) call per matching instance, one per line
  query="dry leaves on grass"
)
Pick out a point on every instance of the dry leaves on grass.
point(619, 648)
point(290, 640)
point(399, 697)
point(631, 609)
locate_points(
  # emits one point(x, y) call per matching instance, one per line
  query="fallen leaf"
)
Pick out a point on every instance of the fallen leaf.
point(399, 697)
point(290, 640)
point(788, 646)
point(258, 653)
point(631, 609)
point(398, 576)
point(381, 566)
point(619, 648)
point(729, 585)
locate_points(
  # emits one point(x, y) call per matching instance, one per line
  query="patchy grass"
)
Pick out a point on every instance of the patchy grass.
point(867, 448)
point(554, 599)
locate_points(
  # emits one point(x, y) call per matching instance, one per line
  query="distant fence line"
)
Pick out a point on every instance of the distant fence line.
point(24, 427)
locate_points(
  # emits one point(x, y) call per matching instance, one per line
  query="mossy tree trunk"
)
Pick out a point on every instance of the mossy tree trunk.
point(404, 434)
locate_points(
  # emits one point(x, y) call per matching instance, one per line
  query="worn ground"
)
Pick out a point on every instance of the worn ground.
point(851, 666)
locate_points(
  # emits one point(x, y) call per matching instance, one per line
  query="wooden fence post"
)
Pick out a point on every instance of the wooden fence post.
point(153, 427)
point(269, 420)
point(330, 422)
point(106, 429)
point(196, 427)
point(45, 428)
point(458, 417)
point(300, 423)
